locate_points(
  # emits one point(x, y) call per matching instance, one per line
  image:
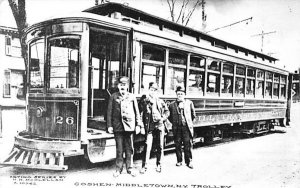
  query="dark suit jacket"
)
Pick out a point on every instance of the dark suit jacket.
point(189, 114)
point(123, 113)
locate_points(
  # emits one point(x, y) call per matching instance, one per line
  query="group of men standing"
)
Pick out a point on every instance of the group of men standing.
point(125, 116)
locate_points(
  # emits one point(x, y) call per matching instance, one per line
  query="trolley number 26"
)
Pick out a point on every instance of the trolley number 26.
point(60, 120)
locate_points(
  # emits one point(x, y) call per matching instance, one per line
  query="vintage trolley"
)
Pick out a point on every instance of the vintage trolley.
point(75, 60)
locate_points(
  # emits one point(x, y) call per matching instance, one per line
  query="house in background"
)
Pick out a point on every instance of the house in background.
point(296, 86)
point(12, 74)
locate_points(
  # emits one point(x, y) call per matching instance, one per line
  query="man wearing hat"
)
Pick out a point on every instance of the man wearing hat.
point(123, 118)
point(182, 114)
point(154, 113)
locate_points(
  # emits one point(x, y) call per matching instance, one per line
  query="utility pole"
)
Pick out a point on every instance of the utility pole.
point(262, 34)
point(241, 21)
point(203, 16)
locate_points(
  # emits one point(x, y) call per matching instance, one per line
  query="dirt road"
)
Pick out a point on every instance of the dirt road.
point(269, 161)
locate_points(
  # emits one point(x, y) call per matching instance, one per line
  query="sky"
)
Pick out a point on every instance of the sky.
point(280, 18)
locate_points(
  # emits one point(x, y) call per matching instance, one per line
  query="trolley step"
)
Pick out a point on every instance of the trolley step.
point(26, 158)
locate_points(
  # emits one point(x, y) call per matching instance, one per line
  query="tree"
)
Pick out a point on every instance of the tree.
point(19, 12)
point(186, 10)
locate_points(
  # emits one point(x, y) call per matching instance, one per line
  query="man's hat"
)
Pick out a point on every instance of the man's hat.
point(124, 80)
point(153, 85)
point(180, 88)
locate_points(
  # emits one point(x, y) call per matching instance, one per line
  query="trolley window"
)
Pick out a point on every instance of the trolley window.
point(282, 86)
point(240, 70)
point(213, 64)
point(197, 62)
point(251, 72)
point(36, 65)
point(64, 62)
point(153, 53)
point(269, 76)
point(276, 78)
point(176, 76)
point(239, 86)
point(259, 89)
point(276, 86)
point(227, 68)
point(260, 74)
point(282, 90)
point(213, 76)
point(227, 84)
point(269, 79)
point(176, 71)
point(276, 90)
point(213, 83)
point(283, 79)
point(196, 75)
point(250, 87)
point(152, 73)
point(196, 80)
point(227, 79)
point(153, 58)
point(268, 93)
point(240, 81)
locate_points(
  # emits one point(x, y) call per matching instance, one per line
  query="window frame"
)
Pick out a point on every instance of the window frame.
point(251, 78)
point(213, 72)
point(249, 75)
point(198, 70)
point(48, 66)
point(31, 89)
point(183, 67)
point(8, 46)
point(235, 78)
point(7, 82)
point(257, 81)
point(151, 63)
point(283, 82)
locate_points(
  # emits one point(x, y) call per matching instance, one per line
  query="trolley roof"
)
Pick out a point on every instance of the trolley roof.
point(140, 16)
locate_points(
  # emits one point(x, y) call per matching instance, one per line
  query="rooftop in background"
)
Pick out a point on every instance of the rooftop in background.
point(136, 16)
point(9, 31)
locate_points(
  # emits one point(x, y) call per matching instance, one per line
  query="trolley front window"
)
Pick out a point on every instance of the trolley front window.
point(64, 62)
point(36, 65)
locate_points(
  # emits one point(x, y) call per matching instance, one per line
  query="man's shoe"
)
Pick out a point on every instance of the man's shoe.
point(132, 173)
point(143, 170)
point(116, 174)
point(179, 164)
point(158, 168)
point(190, 165)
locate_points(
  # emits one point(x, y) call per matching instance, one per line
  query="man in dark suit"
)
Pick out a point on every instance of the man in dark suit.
point(123, 118)
point(154, 113)
point(182, 114)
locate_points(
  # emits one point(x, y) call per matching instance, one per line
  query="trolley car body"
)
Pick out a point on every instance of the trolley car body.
point(74, 62)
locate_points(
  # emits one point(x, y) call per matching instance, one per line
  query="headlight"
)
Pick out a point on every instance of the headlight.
point(39, 111)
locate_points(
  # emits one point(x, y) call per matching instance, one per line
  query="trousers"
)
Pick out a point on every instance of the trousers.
point(124, 144)
point(155, 138)
point(183, 136)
